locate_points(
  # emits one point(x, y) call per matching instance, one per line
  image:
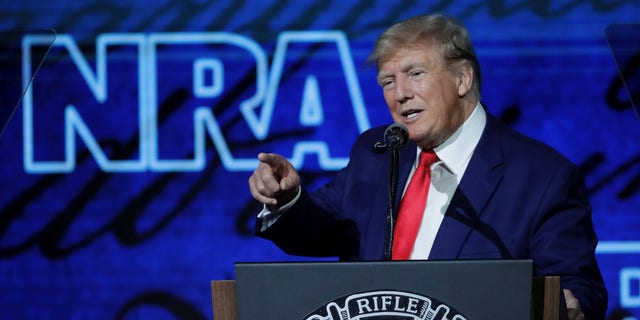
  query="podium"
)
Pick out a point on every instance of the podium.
point(543, 294)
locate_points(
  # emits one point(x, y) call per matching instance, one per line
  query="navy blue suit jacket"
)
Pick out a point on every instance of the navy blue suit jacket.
point(518, 199)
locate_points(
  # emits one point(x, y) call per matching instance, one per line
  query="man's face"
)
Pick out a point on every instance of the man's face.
point(423, 94)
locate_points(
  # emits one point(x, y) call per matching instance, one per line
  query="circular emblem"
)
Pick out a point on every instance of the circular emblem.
point(385, 305)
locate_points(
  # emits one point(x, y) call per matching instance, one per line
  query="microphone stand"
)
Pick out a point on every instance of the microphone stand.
point(395, 137)
point(391, 212)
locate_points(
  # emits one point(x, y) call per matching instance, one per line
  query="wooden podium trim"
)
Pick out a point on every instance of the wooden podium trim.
point(545, 298)
point(545, 304)
point(223, 300)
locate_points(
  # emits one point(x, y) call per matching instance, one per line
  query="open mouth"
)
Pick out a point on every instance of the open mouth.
point(410, 114)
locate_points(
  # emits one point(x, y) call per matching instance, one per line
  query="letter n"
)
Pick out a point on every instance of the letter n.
point(69, 99)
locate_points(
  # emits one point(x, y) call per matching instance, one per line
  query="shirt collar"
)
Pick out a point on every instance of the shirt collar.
point(456, 151)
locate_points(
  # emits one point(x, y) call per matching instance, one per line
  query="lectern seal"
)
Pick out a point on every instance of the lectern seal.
point(385, 305)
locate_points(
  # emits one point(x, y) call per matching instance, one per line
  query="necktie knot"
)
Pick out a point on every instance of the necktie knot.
point(427, 158)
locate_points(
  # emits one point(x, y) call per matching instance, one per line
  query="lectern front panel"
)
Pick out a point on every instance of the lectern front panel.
point(461, 289)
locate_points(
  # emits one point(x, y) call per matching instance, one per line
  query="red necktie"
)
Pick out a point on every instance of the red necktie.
point(412, 208)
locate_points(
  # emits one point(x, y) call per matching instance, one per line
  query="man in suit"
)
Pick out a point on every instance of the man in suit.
point(492, 192)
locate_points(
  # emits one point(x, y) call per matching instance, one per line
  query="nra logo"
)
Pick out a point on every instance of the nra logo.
point(385, 304)
point(221, 90)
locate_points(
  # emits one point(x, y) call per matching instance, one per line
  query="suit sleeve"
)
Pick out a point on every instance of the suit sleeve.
point(564, 241)
point(307, 229)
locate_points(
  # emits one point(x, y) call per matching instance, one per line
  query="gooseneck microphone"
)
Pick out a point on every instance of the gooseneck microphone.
point(395, 137)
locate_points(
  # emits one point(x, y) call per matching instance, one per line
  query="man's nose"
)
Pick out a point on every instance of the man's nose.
point(404, 91)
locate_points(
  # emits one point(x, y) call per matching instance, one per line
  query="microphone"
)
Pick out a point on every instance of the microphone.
point(395, 137)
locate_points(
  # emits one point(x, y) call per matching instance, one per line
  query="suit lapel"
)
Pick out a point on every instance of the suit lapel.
point(407, 159)
point(480, 179)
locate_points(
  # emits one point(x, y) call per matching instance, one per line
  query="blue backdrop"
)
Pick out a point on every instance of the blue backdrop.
point(124, 165)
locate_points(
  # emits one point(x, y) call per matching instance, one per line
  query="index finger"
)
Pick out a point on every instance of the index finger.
point(271, 159)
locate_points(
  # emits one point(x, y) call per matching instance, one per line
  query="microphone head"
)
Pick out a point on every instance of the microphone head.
point(396, 136)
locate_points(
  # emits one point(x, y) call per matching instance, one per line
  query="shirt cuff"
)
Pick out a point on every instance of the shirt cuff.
point(269, 216)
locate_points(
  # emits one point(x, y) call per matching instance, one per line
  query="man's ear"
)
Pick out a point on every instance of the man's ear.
point(464, 78)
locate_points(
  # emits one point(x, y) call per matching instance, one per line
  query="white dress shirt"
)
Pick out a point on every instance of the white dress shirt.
point(453, 157)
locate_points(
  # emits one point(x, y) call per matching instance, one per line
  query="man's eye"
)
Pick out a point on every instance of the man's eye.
point(387, 83)
point(416, 74)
